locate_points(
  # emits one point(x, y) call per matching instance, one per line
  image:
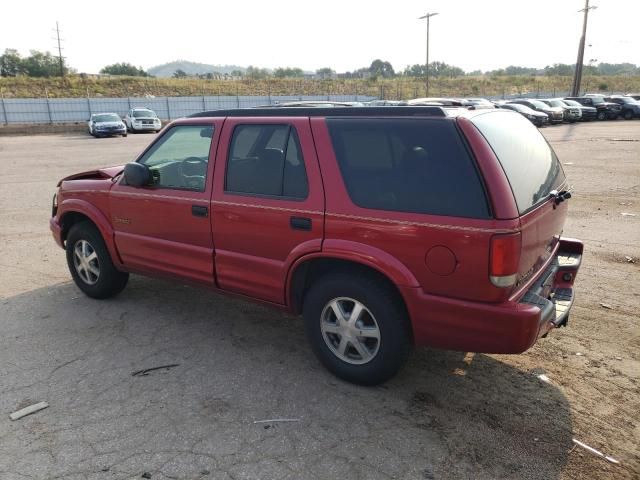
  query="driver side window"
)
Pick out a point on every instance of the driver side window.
point(179, 159)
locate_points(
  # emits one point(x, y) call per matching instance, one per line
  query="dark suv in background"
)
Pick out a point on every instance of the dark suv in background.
point(570, 114)
point(588, 113)
point(605, 110)
point(555, 114)
point(539, 119)
point(630, 106)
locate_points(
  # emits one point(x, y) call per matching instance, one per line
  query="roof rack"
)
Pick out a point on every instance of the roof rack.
point(326, 112)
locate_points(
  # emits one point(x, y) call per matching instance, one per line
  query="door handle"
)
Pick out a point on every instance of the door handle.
point(199, 211)
point(300, 223)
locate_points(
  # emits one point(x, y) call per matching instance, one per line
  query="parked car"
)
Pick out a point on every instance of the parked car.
point(479, 103)
point(587, 113)
point(539, 119)
point(313, 103)
point(449, 102)
point(570, 114)
point(106, 125)
point(142, 120)
point(386, 103)
point(605, 110)
point(630, 107)
point(635, 96)
point(383, 226)
point(555, 114)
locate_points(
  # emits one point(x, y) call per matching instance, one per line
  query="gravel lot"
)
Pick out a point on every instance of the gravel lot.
point(448, 415)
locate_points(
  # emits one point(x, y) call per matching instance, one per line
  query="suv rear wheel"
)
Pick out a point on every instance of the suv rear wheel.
point(90, 263)
point(357, 327)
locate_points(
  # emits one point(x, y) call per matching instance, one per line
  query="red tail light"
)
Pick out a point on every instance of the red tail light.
point(504, 259)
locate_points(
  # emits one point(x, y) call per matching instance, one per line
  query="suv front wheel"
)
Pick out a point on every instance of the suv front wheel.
point(90, 263)
point(357, 327)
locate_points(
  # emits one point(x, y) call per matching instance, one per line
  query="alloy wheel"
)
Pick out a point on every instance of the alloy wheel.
point(350, 330)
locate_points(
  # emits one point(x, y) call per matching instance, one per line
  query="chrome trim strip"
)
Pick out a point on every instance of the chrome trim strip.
point(424, 224)
point(159, 197)
point(266, 207)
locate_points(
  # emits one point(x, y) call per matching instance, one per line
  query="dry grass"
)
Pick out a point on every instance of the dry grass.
point(400, 88)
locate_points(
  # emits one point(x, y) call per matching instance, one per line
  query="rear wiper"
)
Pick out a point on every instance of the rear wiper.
point(559, 196)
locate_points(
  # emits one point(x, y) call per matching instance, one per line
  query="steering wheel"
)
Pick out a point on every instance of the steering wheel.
point(193, 171)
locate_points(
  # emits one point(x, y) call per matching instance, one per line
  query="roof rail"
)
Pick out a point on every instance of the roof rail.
point(326, 112)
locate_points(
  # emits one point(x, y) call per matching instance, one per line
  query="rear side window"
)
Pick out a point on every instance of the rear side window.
point(408, 165)
point(266, 160)
point(528, 161)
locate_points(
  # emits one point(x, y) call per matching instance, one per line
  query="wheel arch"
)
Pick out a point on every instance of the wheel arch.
point(74, 211)
point(310, 268)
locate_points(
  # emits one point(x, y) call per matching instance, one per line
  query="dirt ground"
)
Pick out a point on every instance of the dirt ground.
point(447, 415)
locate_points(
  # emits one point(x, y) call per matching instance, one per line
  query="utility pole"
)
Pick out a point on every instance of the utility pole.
point(428, 17)
point(60, 57)
point(577, 77)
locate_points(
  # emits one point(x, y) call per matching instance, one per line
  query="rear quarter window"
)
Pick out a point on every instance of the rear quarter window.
point(408, 165)
point(531, 165)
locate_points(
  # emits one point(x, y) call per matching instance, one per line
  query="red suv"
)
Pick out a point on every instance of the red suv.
point(384, 227)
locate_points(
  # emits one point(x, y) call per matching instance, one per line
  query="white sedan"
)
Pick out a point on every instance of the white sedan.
point(142, 120)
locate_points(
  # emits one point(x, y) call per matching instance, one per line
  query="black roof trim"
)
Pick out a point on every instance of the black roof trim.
point(326, 112)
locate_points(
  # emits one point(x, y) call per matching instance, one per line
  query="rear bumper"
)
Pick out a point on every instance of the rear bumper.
point(509, 327)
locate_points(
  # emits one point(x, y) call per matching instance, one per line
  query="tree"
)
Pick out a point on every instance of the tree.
point(40, 64)
point(288, 72)
point(10, 63)
point(441, 69)
point(325, 73)
point(382, 69)
point(256, 73)
point(124, 69)
point(562, 69)
point(179, 74)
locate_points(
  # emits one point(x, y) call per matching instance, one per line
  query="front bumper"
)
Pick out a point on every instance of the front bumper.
point(146, 126)
point(509, 327)
point(119, 131)
point(56, 231)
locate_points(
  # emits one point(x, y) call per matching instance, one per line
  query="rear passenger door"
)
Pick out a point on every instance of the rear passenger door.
point(268, 204)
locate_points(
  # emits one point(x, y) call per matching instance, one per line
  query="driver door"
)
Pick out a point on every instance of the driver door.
point(166, 227)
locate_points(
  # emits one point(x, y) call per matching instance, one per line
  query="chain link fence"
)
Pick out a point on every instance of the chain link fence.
point(70, 110)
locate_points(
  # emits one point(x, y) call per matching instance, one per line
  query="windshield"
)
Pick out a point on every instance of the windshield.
point(143, 113)
point(572, 103)
point(539, 104)
point(597, 100)
point(557, 103)
point(628, 100)
point(107, 117)
point(518, 108)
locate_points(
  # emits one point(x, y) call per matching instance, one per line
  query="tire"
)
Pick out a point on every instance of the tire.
point(96, 276)
point(601, 116)
point(382, 313)
point(628, 115)
point(124, 134)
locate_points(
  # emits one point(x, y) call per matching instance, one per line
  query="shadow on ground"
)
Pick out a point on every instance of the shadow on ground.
point(447, 415)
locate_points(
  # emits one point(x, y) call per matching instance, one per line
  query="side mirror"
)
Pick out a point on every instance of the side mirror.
point(206, 132)
point(137, 174)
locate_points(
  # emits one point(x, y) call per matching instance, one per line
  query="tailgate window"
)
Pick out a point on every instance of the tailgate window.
point(531, 165)
point(408, 165)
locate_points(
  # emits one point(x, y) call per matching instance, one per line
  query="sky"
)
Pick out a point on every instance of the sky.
point(472, 34)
